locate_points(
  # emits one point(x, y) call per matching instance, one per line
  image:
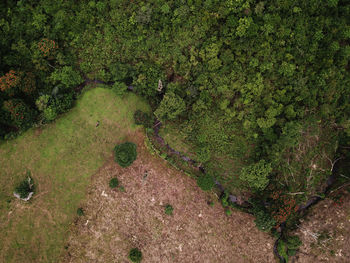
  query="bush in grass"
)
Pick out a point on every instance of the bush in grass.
point(125, 154)
point(205, 182)
point(135, 255)
point(25, 189)
point(142, 118)
point(80, 211)
point(113, 183)
point(169, 210)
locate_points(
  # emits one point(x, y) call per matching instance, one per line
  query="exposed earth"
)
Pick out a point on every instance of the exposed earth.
point(325, 231)
point(116, 221)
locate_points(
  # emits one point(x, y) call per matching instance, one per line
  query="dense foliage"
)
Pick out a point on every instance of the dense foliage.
point(125, 154)
point(241, 81)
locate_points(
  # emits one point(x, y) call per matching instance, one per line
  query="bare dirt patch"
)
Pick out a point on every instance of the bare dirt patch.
point(325, 232)
point(117, 221)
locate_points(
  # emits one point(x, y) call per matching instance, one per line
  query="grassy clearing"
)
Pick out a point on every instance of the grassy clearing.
point(62, 156)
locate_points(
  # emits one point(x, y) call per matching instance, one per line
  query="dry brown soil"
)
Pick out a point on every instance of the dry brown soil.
point(325, 233)
point(116, 221)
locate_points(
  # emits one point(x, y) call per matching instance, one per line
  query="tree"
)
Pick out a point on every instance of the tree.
point(170, 107)
point(125, 154)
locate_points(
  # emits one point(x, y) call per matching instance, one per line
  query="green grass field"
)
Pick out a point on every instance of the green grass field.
point(61, 157)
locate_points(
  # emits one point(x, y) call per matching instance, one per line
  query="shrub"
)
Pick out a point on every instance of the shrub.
point(119, 88)
point(170, 107)
point(256, 175)
point(263, 218)
point(63, 102)
point(80, 211)
point(125, 154)
point(50, 113)
point(264, 221)
point(142, 118)
point(113, 183)
point(169, 210)
point(25, 188)
point(224, 199)
point(67, 76)
point(205, 182)
point(228, 212)
point(42, 102)
point(135, 255)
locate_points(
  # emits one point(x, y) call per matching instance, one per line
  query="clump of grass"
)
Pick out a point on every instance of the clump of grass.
point(113, 183)
point(168, 210)
point(135, 255)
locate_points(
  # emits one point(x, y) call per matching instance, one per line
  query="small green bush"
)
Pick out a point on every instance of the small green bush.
point(205, 182)
point(113, 183)
point(169, 210)
point(125, 154)
point(228, 212)
point(135, 255)
point(80, 211)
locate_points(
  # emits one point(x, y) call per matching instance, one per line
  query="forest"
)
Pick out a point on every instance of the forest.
point(256, 92)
